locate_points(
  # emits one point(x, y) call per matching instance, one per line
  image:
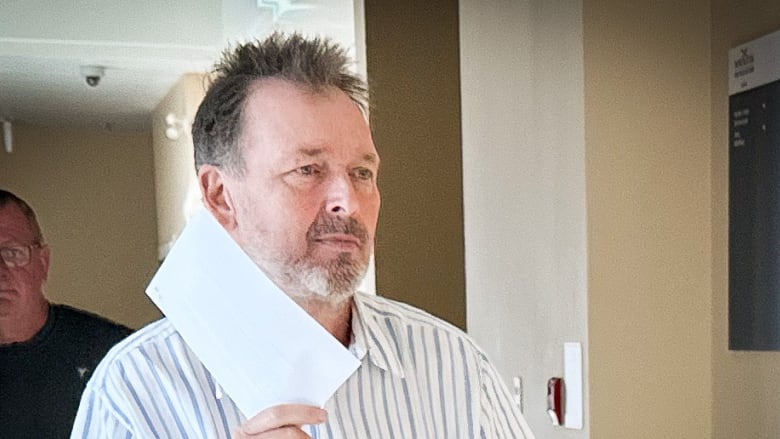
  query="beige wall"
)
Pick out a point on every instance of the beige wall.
point(524, 192)
point(746, 401)
point(648, 145)
point(647, 137)
point(412, 59)
point(175, 182)
point(94, 195)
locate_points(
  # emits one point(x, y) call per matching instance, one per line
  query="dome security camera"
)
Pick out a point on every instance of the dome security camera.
point(93, 74)
point(93, 81)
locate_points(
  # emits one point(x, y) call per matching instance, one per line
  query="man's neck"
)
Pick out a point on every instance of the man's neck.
point(19, 328)
point(335, 317)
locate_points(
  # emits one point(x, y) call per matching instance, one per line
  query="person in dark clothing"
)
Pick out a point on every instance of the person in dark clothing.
point(47, 351)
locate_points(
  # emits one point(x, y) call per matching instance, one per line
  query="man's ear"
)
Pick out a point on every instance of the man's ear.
point(45, 258)
point(216, 195)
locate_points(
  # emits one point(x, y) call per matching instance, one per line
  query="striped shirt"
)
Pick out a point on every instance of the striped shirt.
point(419, 377)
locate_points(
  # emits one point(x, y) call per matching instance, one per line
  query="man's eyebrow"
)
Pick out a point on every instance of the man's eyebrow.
point(315, 151)
point(310, 151)
point(371, 158)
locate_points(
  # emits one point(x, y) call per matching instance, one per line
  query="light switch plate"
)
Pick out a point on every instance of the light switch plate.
point(572, 376)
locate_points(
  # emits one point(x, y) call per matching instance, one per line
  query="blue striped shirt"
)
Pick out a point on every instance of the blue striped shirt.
point(419, 378)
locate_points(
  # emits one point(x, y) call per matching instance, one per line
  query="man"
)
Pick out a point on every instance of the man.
point(287, 165)
point(47, 352)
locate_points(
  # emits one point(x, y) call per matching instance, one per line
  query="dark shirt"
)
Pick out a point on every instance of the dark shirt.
point(41, 380)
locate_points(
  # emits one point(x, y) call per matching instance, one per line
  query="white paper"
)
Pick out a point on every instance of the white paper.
point(262, 348)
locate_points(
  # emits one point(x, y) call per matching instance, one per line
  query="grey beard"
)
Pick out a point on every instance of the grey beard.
point(335, 282)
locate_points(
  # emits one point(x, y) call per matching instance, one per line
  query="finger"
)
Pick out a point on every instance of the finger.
point(279, 433)
point(284, 415)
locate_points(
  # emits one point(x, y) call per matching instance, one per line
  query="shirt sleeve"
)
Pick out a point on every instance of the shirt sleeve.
point(500, 417)
point(98, 418)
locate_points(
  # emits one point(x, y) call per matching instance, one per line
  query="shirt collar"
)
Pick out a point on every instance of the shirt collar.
point(371, 337)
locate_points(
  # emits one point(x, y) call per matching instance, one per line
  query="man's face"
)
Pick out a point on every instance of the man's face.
point(307, 203)
point(21, 288)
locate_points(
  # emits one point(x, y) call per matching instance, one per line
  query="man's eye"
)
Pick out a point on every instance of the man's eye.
point(364, 174)
point(10, 252)
point(307, 170)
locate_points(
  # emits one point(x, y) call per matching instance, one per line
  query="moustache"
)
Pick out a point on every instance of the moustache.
point(326, 224)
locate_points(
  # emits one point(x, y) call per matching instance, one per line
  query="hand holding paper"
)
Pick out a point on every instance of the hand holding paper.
point(283, 420)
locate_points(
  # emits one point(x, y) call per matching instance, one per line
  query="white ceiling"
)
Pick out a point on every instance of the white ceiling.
point(144, 46)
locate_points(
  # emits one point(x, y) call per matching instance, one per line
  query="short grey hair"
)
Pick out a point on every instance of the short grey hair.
point(314, 64)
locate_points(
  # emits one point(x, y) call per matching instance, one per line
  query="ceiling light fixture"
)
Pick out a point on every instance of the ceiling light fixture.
point(174, 126)
point(281, 7)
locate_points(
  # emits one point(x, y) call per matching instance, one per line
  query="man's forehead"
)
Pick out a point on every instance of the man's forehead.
point(261, 89)
point(276, 91)
point(14, 224)
point(283, 123)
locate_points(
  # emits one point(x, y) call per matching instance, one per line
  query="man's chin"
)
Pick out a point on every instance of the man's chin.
point(331, 285)
point(324, 296)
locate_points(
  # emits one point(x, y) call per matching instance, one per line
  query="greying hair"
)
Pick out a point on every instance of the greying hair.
point(7, 197)
point(314, 64)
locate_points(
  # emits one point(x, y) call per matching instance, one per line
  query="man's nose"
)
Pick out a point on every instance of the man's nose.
point(341, 197)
